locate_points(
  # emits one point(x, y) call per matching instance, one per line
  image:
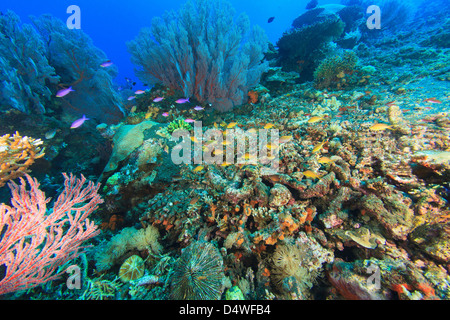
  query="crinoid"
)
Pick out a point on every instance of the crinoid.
point(288, 261)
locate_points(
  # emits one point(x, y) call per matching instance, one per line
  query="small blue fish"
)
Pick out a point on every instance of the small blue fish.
point(78, 123)
point(64, 92)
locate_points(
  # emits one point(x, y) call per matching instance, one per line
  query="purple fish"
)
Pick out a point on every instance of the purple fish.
point(198, 108)
point(165, 114)
point(131, 98)
point(158, 99)
point(64, 92)
point(189, 120)
point(181, 101)
point(106, 64)
point(78, 123)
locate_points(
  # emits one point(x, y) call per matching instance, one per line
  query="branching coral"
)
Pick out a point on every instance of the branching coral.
point(17, 153)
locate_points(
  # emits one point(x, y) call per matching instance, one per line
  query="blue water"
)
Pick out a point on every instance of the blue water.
point(112, 23)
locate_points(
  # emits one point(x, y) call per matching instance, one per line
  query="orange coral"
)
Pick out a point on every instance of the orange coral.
point(247, 209)
point(212, 218)
point(253, 96)
point(427, 290)
point(289, 224)
point(17, 153)
point(271, 240)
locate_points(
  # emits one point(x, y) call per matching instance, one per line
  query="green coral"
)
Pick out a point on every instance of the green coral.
point(178, 125)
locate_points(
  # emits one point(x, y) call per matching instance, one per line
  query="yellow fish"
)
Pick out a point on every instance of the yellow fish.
point(318, 147)
point(252, 130)
point(323, 160)
point(311, 175)
point(271, 146)
point(210, 142)
point(148, 115)
point(215, 125)
point(194, 139)
point(248, 156)
point(380, 127)
point(217, 152)
point(199, 168)
point(269, 126)
point(315, 119)
point(285, 139)
point(226, 164)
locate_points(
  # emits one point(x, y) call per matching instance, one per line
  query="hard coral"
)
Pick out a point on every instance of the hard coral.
point(17, 153)
point(198, 273)
point(335, 71)
point(132, 269)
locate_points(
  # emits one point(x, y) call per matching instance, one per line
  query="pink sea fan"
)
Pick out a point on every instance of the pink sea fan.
point(35, 241)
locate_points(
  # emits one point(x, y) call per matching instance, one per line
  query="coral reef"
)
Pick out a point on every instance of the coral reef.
point(348, 201)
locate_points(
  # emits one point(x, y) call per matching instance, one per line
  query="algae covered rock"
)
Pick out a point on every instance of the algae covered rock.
point(279, 195)
point(433, 240)
point(127, 139)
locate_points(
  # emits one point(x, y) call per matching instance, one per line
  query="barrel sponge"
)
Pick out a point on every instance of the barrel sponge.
point(127, 139)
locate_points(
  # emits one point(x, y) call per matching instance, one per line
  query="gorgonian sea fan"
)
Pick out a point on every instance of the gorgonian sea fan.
point(203, 51)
